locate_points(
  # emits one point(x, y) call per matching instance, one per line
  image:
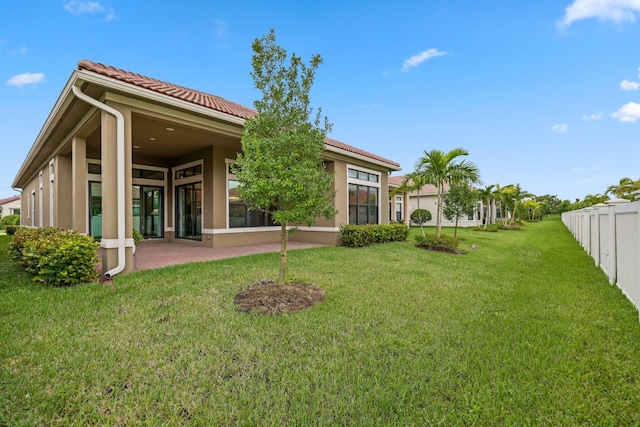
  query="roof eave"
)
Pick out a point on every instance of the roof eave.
point(389, 166)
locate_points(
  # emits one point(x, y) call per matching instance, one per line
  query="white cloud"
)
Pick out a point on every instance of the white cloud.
point(21, 51)
point(627, 85)
point(221, 28)
point(605, 10)
point(590, 117)
point(627, 113)
point(418, 59)
point(577, 170)
point(367, 106)
point(81, 7)
point(20, 80)
point(560, 128)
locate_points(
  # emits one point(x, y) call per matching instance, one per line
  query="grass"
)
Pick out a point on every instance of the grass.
point(523, 330)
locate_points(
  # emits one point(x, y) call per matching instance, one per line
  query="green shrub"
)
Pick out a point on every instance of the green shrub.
point(357, 236)
point(10, 220)
point(490, 228)
point(443, 243)
point(11, 229)
point(55, 257)
point(420, 216)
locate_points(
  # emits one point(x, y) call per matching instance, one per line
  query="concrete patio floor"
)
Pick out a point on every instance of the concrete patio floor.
point(156, 254)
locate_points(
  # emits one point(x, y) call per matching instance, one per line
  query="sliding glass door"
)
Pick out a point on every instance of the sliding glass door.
point(189, 211)
point(147, 210)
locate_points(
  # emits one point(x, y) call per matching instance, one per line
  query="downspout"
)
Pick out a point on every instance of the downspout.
point(120, 150)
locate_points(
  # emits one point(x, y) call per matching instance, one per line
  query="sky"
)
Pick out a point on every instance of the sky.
point(545, 94)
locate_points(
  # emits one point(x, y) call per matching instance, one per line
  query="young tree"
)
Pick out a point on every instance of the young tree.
point(438, 168)
point(459, 202)
point(280, 169)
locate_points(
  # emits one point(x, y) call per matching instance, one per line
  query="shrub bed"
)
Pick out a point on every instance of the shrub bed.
point(357, 236)
point(443, 243)
point(55, 257)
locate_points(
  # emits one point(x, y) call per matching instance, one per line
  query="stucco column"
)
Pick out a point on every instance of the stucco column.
point(109, 157)
point(79, 189)
point(613, 262)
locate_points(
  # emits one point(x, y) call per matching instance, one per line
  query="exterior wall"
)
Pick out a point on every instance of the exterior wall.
point(428, 202)
point(10, 207)
point(610, 233)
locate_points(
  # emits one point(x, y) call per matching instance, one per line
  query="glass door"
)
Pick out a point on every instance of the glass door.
point(189, 211)
point(147, 210)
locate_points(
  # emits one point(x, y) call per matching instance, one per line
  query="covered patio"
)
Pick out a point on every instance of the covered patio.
point(156, 254)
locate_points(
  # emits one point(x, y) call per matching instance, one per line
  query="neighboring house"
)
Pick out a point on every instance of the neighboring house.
point(428, 197)
point(9, 206)
point(121, 151)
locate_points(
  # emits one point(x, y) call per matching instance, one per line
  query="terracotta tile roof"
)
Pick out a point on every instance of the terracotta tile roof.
point(201, 98)
point(352, 149)
point(9, 199)
point(425, 190)
point(190, 95)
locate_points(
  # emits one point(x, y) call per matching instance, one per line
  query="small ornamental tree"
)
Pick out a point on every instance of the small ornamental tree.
point(280, 169)
point(459, 202)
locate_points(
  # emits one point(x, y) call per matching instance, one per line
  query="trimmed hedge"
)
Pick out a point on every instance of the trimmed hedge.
point(357, 236)
point(55, 257)
point(443, 243)
point(10, 220)
point(420, 216)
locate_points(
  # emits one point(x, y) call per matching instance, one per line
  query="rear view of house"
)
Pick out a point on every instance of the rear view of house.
point(121, 151)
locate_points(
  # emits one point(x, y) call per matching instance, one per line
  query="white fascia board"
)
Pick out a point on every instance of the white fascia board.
point(91, 77)
point(351, 154)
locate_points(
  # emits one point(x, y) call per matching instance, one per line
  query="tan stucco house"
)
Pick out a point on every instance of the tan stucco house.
point(9, 206)
point(427, 199)
point(121, 151)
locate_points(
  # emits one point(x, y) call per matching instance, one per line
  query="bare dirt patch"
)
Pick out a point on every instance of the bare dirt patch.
point(268, 297)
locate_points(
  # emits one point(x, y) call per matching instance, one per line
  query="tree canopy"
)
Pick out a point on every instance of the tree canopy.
point(280, 169)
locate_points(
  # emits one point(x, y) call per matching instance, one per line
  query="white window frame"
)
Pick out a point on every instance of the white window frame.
point(368, 183)
point(176, 182)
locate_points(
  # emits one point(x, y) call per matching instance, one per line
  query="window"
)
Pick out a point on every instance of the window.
point(189, 171)
point(239, 213)
point(364, 195)
point(398, 208)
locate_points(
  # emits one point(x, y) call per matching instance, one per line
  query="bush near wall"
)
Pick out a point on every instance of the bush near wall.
point(55, 257)
point(432, 242)
point(356, 236)
point(420, 216)
point(8, 220)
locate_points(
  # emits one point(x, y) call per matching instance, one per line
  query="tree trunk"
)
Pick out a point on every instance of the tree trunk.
point(439, 210)
point(420, 215)
point(455, 230)
point(284, 236)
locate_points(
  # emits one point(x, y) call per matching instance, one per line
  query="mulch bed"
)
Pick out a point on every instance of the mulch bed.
point(268, 297)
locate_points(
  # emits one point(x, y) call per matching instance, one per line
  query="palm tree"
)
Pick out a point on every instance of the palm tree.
point(486, 195)
point(413, 182)
point(624, 188)
point(438, 168)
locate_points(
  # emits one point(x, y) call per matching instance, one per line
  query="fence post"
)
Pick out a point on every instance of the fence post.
point(587, 227)
point(613, 278)
point(636, 195)
point(597, 242)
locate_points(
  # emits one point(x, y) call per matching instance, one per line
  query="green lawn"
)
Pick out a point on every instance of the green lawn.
point(524, 330)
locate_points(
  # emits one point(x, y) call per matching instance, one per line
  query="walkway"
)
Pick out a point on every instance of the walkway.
point(156, 254)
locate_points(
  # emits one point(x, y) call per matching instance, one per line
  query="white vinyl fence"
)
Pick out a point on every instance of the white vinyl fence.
point(610, 233)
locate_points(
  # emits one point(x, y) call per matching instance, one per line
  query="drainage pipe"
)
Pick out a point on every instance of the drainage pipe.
point(120, 152)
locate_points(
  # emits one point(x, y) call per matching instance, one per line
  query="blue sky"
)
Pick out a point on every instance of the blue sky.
point(545, 94)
